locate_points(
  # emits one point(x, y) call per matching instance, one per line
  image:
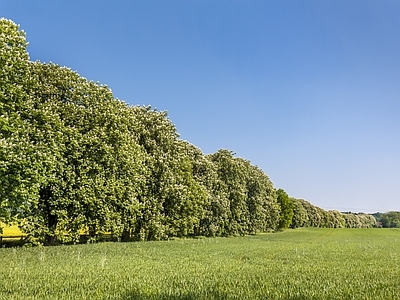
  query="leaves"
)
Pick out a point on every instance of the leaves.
point(74, 159)
point(286, 205)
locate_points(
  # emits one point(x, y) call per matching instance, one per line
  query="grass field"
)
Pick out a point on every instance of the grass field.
point(296, 264)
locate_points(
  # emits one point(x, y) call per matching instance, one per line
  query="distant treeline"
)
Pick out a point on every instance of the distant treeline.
point(74, 159)
point(389, 219)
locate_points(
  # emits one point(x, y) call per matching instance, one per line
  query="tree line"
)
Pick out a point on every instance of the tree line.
point(74, 159)
point(389, 219)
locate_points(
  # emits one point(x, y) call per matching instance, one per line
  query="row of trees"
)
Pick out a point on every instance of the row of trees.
point(389, 219)
point(74, 159)
point(308, 215)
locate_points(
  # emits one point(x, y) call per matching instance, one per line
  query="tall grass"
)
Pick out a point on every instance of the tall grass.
point(296, 264)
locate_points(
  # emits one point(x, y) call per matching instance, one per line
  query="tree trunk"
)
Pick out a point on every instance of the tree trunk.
point(126, 235)
point(45, 196)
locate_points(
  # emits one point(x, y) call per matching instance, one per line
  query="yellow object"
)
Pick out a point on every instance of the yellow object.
point(11, 231)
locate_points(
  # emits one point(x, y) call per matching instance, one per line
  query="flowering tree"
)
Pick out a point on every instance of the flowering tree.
point(300, 215)
point(19, 169)
point(173, 200)
point(73, 158)
point(98, 170)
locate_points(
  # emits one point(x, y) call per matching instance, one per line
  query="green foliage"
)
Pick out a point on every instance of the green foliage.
point(366, 220)
point(74, 159)
point(286, 205)
point(390, 219)
point(92, 165)
point(172, 203)
point(313, 214)
point(232, 173)
point(359, 220)
point(336, 219)
point(18, 178)
point(261, 201)
point(216, 211)
point(249, 192)
point(377, 216)
point(307, 215)
point(300, 214)
point(351, 220)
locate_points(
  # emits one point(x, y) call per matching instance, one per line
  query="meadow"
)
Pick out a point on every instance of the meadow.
point(306, 263)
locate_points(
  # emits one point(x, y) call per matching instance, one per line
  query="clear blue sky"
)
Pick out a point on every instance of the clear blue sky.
point(307, 90)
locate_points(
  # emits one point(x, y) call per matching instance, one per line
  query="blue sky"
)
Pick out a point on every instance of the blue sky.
point(309, 91)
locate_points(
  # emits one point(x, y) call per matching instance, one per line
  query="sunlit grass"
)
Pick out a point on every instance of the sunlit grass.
point(296, 264)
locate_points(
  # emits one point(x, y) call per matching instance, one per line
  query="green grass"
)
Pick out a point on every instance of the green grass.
point(295, 264)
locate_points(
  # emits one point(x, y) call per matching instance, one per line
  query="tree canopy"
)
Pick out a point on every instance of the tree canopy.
point(75, 159)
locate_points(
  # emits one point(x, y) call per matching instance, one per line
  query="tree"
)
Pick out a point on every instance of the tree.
point(314, 217)
point(391, 219)
point(261, 201)
point(336, 219)
point(351, 220)
point(286, 205)
point(19, 174)
point(232, 173)
point(94, 168)
point(172, 203)
point(367, 221)
point(186, 198)
point(216, 210)
point(73, 158)
point(300, 216)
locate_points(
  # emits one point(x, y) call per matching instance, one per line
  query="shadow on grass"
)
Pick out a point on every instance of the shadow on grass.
point(186, 296)
point(213, 294)
point(12, 243)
